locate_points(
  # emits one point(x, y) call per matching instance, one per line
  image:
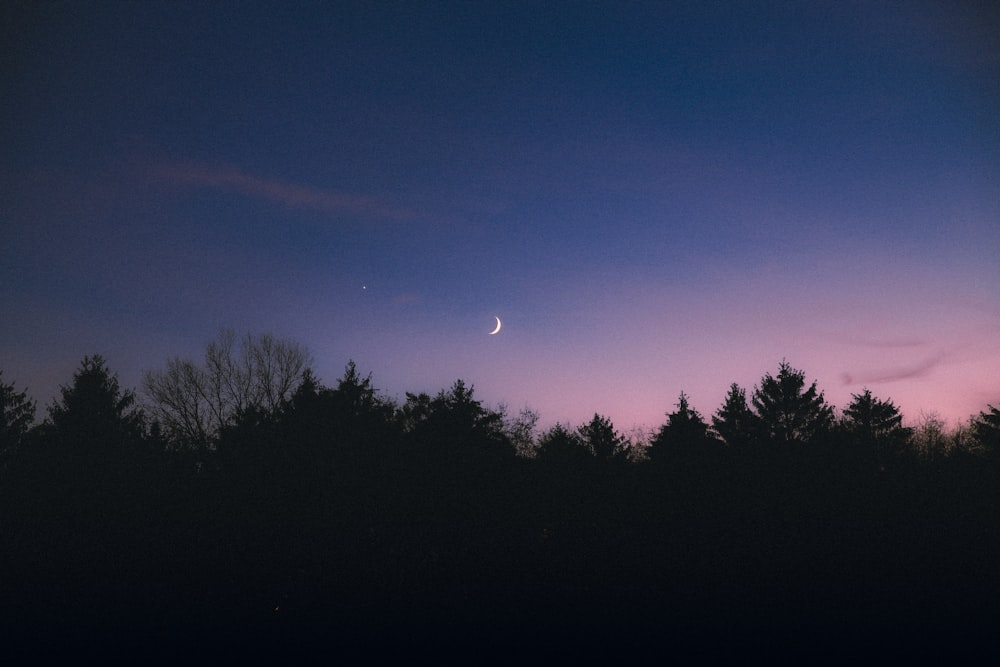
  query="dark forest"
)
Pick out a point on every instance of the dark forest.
point(242, 504)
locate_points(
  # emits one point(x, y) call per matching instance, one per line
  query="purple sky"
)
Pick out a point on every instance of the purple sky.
point(652, 197)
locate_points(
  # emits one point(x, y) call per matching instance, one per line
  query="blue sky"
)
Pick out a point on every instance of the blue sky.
point(654, 197)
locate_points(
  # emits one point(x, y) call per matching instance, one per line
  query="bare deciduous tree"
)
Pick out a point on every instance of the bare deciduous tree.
point(180, 400)
point(256, 373)
point(520, 430)
point(930, 438)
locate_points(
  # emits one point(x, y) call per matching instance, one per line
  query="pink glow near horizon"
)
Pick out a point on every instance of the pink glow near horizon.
point(630, 360)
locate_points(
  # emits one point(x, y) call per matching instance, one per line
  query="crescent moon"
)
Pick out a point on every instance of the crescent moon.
point(497, 330)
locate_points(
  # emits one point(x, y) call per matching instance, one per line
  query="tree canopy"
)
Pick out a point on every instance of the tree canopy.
point(734, 422)
point(684, 434)
point(790, 413)
point(875, 425)
point(986, 429)
point(336, 502)
point(255, 375)
point(93, 411)
point(600, 437)
point(17, 414)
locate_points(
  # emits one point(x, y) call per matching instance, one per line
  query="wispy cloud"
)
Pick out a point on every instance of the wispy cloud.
point(886, 343)
point(292, 195)
point(909, 372)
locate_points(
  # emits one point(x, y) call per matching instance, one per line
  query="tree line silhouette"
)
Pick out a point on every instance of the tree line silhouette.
point(243, 499)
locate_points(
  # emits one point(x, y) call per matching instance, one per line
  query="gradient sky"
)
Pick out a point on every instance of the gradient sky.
point(654, 197)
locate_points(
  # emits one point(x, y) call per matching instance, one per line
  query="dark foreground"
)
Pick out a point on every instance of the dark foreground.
point(517, 561)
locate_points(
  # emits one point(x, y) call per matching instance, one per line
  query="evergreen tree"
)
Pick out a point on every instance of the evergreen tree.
point(17, 413)
point(559, 445)
point(875, 425)
point(986, 431)
point(95, 431)
point(735, 422)
point(789, 412)
point(454, 425)
point(601, 438)
point(414, 412)
point(359, 407)
point(94, 412)
point(685, 433)
point(458, 410)
point(358, 421)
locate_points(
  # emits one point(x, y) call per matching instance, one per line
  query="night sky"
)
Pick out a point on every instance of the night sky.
point(652, 197)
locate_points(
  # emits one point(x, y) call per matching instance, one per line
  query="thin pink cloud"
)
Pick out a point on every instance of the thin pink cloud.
point(292, 195)
point(889, 342)
point(920, 369)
